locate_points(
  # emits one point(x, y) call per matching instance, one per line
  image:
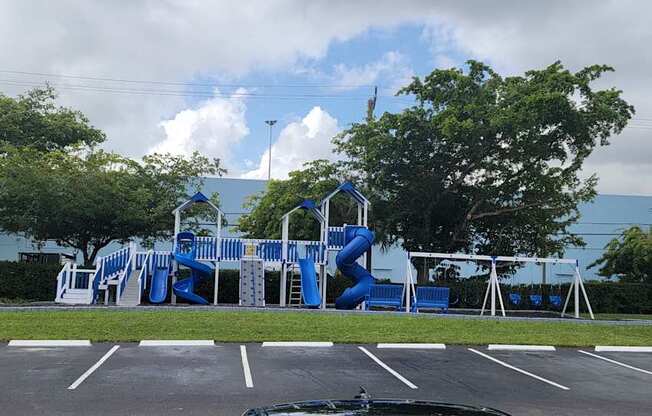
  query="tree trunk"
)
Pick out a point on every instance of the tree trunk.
point(419, 263)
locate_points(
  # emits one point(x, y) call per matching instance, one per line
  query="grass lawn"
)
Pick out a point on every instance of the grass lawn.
point(243, 326)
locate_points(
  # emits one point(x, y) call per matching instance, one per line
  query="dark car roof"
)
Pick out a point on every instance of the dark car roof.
point(377, 407)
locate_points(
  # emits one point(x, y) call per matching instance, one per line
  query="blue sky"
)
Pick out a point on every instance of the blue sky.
point(174, 66)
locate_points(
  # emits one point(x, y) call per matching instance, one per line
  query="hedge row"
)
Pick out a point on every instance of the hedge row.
point(37, 282)
point(27, 281)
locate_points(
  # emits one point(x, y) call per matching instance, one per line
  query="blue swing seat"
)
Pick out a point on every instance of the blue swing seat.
point(536, 300)
point(515, 298)
point(555, 300)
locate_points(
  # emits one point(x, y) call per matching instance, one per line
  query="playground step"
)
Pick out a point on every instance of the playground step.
point(77, 297)
point(130, 295)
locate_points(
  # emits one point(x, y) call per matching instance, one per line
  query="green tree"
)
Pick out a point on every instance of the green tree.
point(34, 120)
point(88, 199)
point(316, 180)
point(485, 164)
point(628, 257)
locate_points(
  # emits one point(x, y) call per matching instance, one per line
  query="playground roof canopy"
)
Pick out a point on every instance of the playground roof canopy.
point(349, 189)
point(198, 198)
point(308, 205)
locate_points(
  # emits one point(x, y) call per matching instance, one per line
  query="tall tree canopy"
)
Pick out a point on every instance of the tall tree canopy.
point(628, 257)
point(34, 120)
point(485, 164)
point(87, 199)
point(316, 180)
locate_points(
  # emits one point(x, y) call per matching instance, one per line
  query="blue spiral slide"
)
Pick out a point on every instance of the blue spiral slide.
point(357, 240)
point(184, 289)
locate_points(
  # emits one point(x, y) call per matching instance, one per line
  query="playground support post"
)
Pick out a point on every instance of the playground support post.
point(576, 286)
point(218, 251)
point(285, 231)
point(493, 287)
point(175, 266)
point(408, 287)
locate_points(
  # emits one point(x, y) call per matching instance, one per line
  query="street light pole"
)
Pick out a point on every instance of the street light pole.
point(270, 123)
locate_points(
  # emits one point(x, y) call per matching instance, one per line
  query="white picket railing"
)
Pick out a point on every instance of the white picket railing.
point(71, 277)
point(62, 281)
point(145, 270)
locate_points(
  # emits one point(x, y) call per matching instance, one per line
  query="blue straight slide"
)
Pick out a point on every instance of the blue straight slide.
point(159, 288)
point(309, 290)
point(357, 241)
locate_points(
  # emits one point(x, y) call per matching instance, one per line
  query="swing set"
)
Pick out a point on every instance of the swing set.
point(493, 287)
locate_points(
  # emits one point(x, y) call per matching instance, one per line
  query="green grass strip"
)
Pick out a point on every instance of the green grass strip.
point(249, 326)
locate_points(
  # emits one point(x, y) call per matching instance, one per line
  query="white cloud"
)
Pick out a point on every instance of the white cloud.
point(183, 40)
point(211, 128)
point(299, 142)
point(392, 67)
point(170, 40)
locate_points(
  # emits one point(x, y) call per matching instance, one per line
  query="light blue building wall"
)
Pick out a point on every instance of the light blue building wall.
point(600, 221)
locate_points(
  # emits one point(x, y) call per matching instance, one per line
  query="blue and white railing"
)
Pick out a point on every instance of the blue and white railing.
point(233, 249)
point(71, 277)
point(114, 264)
point(335, 238)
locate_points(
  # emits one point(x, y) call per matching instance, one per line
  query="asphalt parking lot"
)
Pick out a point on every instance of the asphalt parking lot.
point(225, 379)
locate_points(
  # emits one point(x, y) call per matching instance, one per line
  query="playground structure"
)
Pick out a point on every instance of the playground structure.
point(131, 272)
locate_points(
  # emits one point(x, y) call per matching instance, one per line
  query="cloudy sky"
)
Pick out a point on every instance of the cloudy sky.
point(185, 75)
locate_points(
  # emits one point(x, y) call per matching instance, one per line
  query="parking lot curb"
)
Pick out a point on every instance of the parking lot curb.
point(423, 346)
point(49, 343)
point(309, 344)
point(515, 347)
point(613, 348)
point(176, 343)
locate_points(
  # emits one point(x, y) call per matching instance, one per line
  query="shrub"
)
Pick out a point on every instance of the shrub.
point(28, 281)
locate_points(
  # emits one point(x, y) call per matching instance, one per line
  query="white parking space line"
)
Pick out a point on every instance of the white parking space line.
point(631, 367)
point(49, 343)
point(613, 348)
point(389, 369)
point(177, 343)
point(308, 344)
point(412, 346)
point(511, 367)
point(245, 367)
point(95, 366)
point(510, 347)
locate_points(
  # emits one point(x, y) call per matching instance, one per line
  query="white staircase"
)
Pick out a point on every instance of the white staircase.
point(77, 296)
point(131, 294)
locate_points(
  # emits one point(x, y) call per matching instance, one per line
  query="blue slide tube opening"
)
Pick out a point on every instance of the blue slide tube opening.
point(358, 240)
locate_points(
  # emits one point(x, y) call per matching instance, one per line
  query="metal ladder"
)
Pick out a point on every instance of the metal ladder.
point(295, 286)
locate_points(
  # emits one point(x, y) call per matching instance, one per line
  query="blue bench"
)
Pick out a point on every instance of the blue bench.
point(384, 295)
point(431, 297)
